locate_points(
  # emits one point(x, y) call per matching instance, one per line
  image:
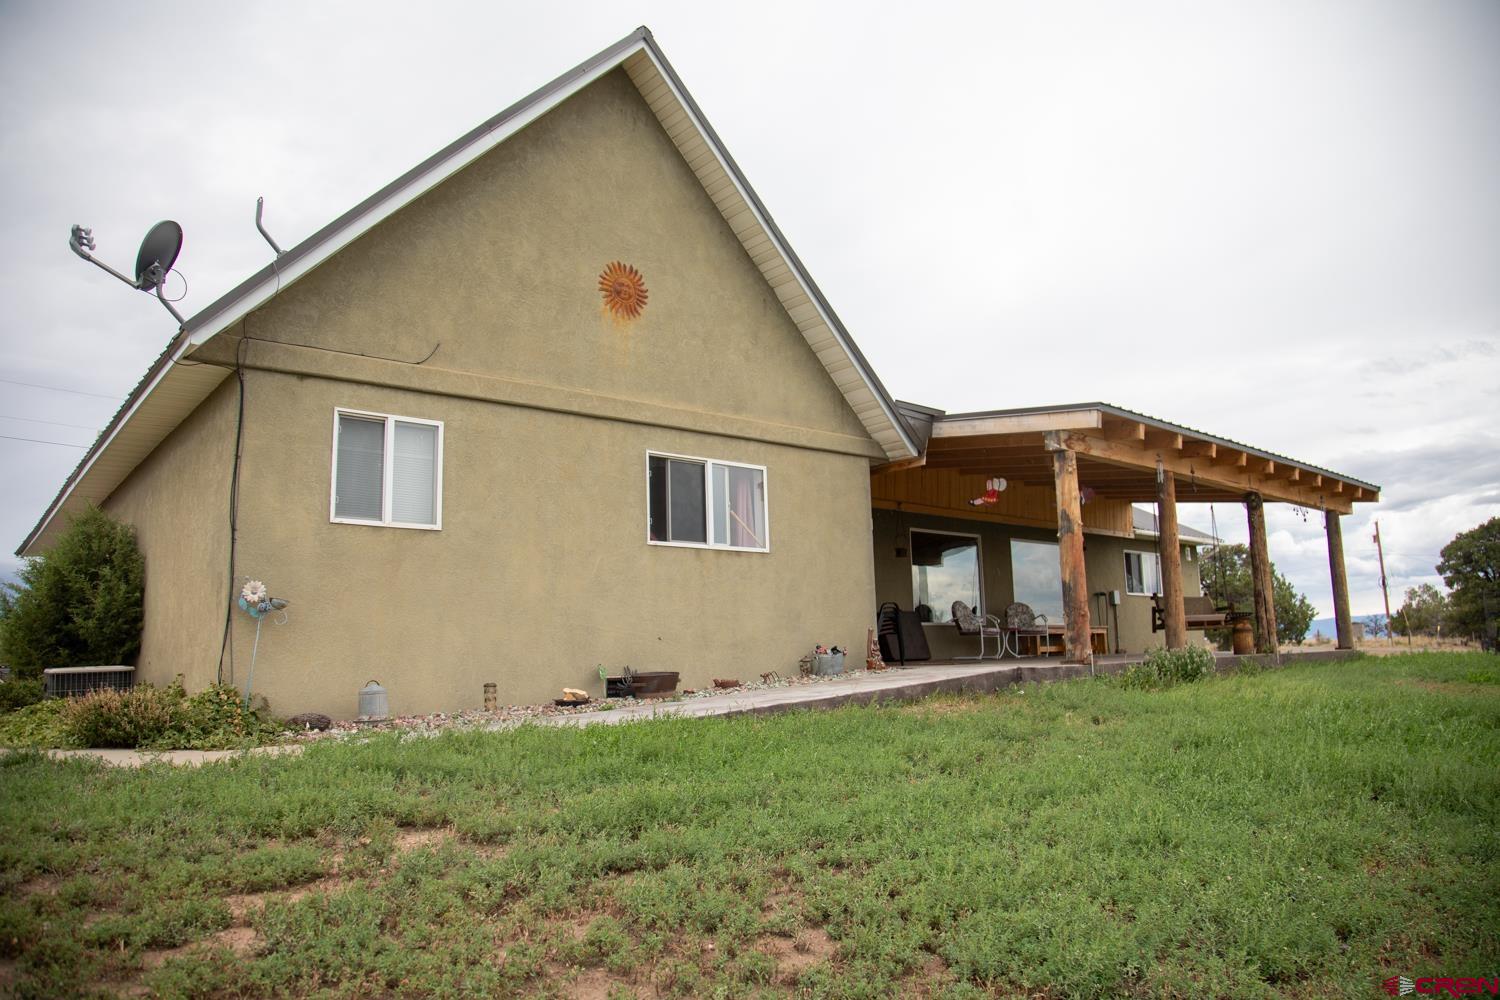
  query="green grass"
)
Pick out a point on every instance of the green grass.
point(1304, 831)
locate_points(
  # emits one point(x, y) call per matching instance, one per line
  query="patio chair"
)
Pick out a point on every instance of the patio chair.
point(970, 622)
point(1020, 621)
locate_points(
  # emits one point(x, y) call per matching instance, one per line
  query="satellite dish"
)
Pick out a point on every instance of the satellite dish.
point(158, 253)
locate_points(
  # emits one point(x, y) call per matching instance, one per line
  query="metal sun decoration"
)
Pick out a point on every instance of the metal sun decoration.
point(624, 290)
point(258, 602)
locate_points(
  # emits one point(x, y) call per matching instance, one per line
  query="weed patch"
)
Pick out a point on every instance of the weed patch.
point(1302, 831)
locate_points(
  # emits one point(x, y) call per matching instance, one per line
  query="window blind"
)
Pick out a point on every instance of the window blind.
point(361, 469)
point(414, 474)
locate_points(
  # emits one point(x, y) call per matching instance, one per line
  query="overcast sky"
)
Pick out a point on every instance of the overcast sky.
point(1275, 222)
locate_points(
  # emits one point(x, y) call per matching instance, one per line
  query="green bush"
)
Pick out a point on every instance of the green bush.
point(1165, 667)
point(150, 718)
point(131, 719)
point(41, 726)
point(20, 692)
point(78, 605)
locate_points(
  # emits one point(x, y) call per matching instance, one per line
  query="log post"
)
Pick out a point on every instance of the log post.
point(1171, 560)
point(1260, 577)
point(1342, 623)
point(1075, 586)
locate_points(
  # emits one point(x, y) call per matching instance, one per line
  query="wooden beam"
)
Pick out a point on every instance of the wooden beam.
point(1260, 577)
point(1237, 459)
point(1168, 440)
point(1199, 449)
point(1011, 423)
point(1171, 563)
point(1342, 623)
point(1075, 585)
point(900, 465)
point(1236, 480)
point(1125, 430)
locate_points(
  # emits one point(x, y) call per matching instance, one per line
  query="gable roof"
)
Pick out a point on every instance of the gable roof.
point(171, 390)
point(1144, 524)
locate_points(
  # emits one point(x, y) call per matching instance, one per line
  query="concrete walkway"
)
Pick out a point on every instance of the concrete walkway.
point(896, 684)
point(893, 685)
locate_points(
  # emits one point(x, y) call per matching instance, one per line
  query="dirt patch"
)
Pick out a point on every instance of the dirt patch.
point(783, 899)
point(600, 984)
point(931, 980)
point(41, 885)
point(242, 905)
point(420, 839)
point(797, 954)
point(241, 941)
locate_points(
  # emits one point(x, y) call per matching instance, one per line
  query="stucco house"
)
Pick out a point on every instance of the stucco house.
point(562, 396)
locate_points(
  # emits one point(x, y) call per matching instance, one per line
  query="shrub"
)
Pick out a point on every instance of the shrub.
point(80, 604)
point(152, 718)
point(130, 719)
point(40, 726)
point(20, 692)
point(1165, 667)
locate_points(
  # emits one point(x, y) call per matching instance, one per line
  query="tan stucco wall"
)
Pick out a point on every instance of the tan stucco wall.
point(500, 265)
point(1104, 564)
point(178, 501)
point(541, 570)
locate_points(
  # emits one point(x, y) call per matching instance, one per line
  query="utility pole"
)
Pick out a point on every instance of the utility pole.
point(1390, 635)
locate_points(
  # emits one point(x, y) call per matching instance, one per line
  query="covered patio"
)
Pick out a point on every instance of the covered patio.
point(1079, 468)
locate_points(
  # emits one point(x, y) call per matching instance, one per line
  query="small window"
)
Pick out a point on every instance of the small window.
point(944, 569)
point(1142, 573)
point(697, 501)
point(387, 470)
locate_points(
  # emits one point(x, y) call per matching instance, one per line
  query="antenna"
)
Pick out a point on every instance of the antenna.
point(158, 253)
point(260, 204)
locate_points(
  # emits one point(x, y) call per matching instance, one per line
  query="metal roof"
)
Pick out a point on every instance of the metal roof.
point(1158, 423)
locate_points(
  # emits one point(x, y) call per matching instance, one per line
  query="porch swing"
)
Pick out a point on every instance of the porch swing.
point(1199, 613)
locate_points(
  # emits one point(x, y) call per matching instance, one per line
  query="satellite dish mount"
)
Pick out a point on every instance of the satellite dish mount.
point(153, 261)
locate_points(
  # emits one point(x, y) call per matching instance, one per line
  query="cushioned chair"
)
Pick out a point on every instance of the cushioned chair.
point(970, 622)
point(1021, 621)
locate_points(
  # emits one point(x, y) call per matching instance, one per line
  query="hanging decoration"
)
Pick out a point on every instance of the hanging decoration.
point(1086, 494)
point(624, 290)
point(991, 495)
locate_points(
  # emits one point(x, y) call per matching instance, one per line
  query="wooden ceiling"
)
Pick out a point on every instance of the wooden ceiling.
point(1118, 456)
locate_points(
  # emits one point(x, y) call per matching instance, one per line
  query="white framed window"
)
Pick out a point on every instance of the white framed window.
point(387, 470)
point(706, 503)
point(1142, 573)
point(944, 569)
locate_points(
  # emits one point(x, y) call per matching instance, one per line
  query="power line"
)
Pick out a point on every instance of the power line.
point(54, 423)
point(55, 388)
point(60, 444)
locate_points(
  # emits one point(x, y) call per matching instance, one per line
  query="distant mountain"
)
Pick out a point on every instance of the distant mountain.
point(1330, 629)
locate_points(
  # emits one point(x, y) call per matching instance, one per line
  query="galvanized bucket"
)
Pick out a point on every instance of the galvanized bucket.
point(373, 703)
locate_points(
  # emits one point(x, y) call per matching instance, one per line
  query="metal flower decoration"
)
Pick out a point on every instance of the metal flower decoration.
point(624, 290)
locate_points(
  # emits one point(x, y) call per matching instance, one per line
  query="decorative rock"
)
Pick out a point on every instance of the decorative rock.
point(308, 721)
